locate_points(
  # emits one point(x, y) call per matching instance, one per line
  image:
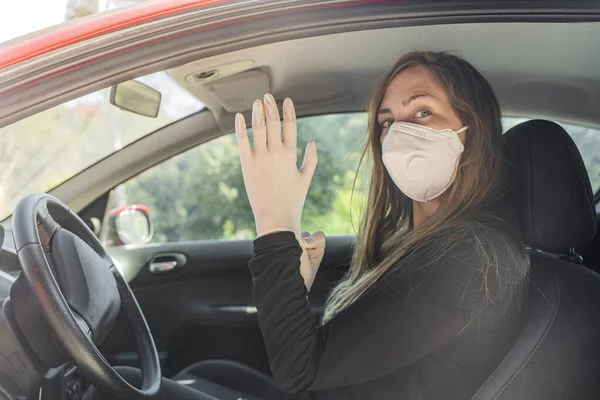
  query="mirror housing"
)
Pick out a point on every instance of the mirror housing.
point(128, 225)
point(135, 97)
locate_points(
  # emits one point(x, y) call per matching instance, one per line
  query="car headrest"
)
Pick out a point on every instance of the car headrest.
point(551, 191)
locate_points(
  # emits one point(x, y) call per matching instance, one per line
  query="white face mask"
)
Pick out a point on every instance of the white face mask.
point(421, 161)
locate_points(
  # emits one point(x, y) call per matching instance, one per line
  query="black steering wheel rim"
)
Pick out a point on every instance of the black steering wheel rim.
point(36, 221)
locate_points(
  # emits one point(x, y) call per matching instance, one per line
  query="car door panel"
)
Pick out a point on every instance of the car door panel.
point(204, 309)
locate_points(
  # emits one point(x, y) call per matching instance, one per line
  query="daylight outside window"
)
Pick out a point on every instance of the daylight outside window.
point(40, 152)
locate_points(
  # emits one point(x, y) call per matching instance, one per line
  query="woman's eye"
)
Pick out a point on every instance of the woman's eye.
point(423, 113)
point(386, 124)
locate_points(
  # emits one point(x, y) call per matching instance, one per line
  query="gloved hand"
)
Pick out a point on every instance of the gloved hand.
point(314, 249)
point(276, 188)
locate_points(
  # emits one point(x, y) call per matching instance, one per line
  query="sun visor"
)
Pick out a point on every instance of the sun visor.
point(231, 87)
point(236, 93)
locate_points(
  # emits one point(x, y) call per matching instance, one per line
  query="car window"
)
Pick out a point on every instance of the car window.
point(200, 193)
point(587, 140)
point(44, 150)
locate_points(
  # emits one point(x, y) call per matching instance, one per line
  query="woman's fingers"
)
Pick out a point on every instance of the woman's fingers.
point(310, 161)
point(241, 135)
point(259, 127)
point(273, 122)
point(314, 241)
point(290, 131)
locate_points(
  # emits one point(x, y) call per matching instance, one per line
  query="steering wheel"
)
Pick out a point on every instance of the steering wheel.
point(80, 292)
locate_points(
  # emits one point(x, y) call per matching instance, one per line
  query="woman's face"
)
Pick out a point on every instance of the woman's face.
point(414, 95)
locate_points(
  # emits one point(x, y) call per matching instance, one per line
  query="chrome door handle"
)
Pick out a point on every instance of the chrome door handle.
point(166, 262)
point(165, 266)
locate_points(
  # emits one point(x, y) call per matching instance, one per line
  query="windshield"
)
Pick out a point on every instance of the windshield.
point(40, 152)
point(19, 18)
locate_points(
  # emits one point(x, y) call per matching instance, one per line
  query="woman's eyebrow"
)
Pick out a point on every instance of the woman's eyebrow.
point(407, 101)
point(416, 96)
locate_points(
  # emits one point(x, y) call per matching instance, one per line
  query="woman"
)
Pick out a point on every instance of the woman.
point(432, 301)
point(433, 298)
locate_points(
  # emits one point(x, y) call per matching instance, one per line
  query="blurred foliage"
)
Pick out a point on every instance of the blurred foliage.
point(200, 194)
point(42, 151)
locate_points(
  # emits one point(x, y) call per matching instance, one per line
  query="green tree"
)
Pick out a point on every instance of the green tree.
point(200, 194)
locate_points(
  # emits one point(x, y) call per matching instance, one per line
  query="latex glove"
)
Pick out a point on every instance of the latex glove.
point(276, 187)
point(312, 255)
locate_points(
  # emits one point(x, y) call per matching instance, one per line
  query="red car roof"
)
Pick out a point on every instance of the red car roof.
point(76, 32)
point(104, 23)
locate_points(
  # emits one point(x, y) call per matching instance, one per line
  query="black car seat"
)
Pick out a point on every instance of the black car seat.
point(557, 355)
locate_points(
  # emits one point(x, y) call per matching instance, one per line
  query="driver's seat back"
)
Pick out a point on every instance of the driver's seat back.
point(557, 355)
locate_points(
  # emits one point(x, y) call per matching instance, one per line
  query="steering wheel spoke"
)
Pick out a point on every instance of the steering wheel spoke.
point(47, 228)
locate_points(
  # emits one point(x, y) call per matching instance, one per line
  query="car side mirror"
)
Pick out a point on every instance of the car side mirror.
point(129, 225)
point(135, 97)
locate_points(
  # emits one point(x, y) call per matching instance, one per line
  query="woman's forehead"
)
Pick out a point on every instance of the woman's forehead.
point(410, 82)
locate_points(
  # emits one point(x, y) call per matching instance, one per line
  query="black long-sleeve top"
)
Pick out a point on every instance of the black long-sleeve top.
point(434, 326)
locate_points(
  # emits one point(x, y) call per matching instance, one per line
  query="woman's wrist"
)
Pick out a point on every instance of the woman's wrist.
point(269, 231)
point(264, 226)
point(262, 233)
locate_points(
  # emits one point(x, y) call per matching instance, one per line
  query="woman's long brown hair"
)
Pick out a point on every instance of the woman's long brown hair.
point(386, 233)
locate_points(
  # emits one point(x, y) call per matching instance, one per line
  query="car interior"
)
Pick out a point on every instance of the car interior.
point(195, 296)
